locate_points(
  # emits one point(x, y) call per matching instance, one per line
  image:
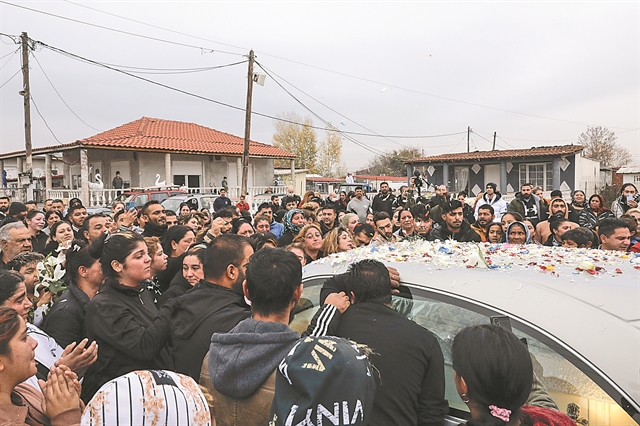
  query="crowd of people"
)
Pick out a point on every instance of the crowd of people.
point(170, 300)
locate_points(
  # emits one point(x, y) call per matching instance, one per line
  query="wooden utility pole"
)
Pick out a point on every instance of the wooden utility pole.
point(26, 93)
point(494, 141)
point(247, 127)
point(468, 138)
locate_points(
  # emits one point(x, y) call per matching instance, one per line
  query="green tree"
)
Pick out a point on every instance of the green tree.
point(392, 163)
point(329, 154)
point(298, 137)
point(601, 144)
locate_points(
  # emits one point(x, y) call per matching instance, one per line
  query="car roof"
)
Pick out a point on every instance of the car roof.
point(588, 299)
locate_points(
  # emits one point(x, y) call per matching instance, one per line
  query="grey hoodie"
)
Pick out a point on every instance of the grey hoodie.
point(242, 359)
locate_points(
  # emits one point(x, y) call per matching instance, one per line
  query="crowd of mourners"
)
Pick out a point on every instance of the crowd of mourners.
point(184, 317)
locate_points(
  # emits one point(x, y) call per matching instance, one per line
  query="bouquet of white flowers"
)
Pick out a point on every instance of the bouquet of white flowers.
point(51, 285)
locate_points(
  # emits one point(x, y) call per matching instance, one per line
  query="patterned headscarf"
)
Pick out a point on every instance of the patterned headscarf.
point(526, 231)
point(288, 226)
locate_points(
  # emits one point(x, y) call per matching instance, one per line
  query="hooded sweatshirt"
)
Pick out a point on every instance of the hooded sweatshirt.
point(498, 204)
point(241, 360)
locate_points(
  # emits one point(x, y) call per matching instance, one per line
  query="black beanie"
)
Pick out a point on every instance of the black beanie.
point(492, 185)
point(323, 377)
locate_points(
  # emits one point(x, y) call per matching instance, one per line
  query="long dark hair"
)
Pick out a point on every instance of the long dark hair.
point(78, 255)
point(110, 247)
point(9, 282)
point(500, 375)
point(175, 233)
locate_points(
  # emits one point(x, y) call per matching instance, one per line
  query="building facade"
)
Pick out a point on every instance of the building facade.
point(152, 152)
point(549, 167)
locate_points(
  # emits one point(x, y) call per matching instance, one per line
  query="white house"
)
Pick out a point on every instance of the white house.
point(149, 152)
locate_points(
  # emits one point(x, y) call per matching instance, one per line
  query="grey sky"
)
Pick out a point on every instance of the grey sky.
point(574, 62)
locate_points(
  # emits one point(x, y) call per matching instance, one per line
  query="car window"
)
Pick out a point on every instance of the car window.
point(172, 193)
point(573, 391)
point(159, 196)
point(206, 202)
point(140, 200)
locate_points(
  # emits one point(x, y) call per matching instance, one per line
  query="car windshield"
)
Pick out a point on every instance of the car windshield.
point(173, 203)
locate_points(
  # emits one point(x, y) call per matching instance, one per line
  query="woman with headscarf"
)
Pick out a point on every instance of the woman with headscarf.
point(293, 222)
point(517, 233)
point(591, 216)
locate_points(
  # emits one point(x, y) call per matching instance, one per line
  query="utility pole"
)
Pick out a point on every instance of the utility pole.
point(26, 93)
point(247, 127)
point(494, 141)
point(468, 138)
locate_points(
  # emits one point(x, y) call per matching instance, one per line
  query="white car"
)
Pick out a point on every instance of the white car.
point(578, 309)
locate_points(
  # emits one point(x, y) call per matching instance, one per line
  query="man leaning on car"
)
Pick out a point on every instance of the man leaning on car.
point(410, 363)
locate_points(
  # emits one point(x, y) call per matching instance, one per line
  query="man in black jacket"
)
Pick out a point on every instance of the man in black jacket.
point(384, 200)
point(455, 227)
point(214, 305)
point(407, 356)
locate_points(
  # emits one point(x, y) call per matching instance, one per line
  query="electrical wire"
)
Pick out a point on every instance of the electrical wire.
point(321, 103)
point(326, 123)
point(10, 53)
point(281, 58)
point(134, 70)
point(8, 60)
point(119, 31)
point(204, 98)
point(45, 121)
point(153, 26)
point(60, 96)
point(10, 78)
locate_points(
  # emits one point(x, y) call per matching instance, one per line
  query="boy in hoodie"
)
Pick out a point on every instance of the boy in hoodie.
point(494, 199)
point(238, 375)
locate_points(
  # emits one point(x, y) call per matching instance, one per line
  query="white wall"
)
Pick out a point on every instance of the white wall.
point(633, 178)
point(587, 175)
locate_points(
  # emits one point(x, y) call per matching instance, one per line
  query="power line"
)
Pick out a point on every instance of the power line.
point(10, 53)
point(204, 98)
point(119, 31)
point(45, 121)
point(321, 103)
point(172, 70)
point(60, 96)
point(11, 78)
point(8, 60)
point(356, 142)
point(153, 26)
point(278, 57)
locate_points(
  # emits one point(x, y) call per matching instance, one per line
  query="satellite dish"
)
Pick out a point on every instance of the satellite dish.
point(38, 173)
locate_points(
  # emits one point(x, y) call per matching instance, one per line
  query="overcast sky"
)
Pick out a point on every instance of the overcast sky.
point(536, 73)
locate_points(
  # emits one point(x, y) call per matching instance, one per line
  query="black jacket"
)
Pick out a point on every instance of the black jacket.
point(409, 360)
point(130, 332)
point(466, 234)
point(205, 309)
point(174, 266)
point(383, 203)
point(178, 287)
point(65, 320)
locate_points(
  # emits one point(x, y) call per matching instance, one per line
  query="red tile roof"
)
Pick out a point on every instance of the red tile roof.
point(153, 134)
point(540, 151)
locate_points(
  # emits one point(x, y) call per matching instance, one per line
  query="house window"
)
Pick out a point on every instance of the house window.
point(461, 176)
point(538, 174)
